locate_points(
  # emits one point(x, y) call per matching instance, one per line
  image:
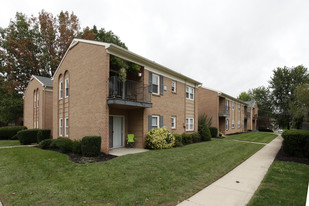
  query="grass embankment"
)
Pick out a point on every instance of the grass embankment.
point(262, 137)
point(285, 183)
point(31, 176)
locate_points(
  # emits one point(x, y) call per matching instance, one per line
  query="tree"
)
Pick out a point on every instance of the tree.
point(244, 96)
point(299, 108)
point(283, 85)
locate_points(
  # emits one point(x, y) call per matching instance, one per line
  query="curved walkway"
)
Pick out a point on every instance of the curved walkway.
point(238, 186)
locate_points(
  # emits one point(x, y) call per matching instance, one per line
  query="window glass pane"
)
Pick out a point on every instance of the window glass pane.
point(155, 88)
point(154, 121)
point(155, 79)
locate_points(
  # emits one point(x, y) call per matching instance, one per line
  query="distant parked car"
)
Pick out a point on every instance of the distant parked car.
point(280, 131)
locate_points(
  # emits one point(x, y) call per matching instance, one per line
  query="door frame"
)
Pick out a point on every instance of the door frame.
point(123, 132)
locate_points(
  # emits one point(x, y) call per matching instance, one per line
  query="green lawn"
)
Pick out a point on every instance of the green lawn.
point(4, 143)
point(285, 183)
point(262, 137)
point(31, 176)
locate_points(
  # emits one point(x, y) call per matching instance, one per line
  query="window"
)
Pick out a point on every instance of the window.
point(66, 87)
point(190, 93)
point(243, 124)
point(155, 122)
point(60, 89)
point(227, 124)
point(227, 102)
point(189, 124)
point(173, 125)
point(239, 107)
point(233, 123)
point(34, 124)
point(66, 126)
point(37, 124)
point(37, 98)
point(233, 105)
point(173, 86)
point(155, 84)
point(238, 123)
point(34, 99)
point(60, 127)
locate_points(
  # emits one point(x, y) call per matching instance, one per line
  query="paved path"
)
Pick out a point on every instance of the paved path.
point(238, 186)
point(6, 147)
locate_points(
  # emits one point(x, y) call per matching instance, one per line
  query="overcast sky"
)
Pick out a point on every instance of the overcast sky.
point(230, 46)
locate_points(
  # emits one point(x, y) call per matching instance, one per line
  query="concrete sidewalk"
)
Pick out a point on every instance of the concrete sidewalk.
point(238, 186)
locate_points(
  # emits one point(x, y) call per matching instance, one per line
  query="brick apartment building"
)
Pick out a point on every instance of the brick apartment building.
point(228, 114)
point(90, 99)
point(38, 98)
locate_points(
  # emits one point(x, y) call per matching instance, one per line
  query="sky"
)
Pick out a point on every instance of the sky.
point(229, 46)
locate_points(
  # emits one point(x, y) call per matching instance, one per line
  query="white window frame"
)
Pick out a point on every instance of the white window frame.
point(233, 105)
point(227, 103)
point(66, 87)
point(189, 124)
point(174, 86)
point(227, 124)
point(34, 99)
point(233, 124)
point(156, 76)
point(61, 89)
point(34, 124)
point(238, 123)
point(189, 92)
point(173, 122)
point(60, 127)
point(158, 122)
point(66, 126)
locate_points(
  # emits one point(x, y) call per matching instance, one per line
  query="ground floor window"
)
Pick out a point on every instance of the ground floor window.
point(227, 125)
point(155, 121)
point(233, 124)
point(173, 124)
point(60, 126)
point(189, 124)
point(238, 123)
point(66, 123)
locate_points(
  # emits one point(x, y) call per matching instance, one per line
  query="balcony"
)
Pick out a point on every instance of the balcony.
point(255, 117)
point(247, 115)
point(129, 93)
point(224, 111)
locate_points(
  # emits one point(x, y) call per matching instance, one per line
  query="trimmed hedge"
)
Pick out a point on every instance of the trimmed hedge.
point(213, 131)
point(77, 147)
point(27, 136)
point(11, 131)
point(296, 143)
point(91, 146)
point(196, 137)
point(186, 138)
point(45, 144)
point(43, 134)
point(178, 140)
point(64, 144)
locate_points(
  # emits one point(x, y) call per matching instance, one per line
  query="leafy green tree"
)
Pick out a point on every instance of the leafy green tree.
point(283, 85)
point(299, 109)
point(244, 96)
point(203, 128)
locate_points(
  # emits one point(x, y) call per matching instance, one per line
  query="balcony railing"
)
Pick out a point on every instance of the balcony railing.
point(224, 111)
point(247, 115)
point(128, 90)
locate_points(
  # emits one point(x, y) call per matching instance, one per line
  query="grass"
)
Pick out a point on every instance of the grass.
point(285, 183)
point(31, 176)
point(262, 137)
point(4, 143)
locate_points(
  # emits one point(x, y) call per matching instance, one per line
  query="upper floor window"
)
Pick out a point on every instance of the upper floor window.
point(34, 99)
point(66, 87)
point(60, 89)
point(239, 107)
point(37, 98)
point(189, 124)
point(233, 105)
point(173, 86)
point(227, 103)
point(155, 84)
point(173, 123)
point(155, 121)
point(190, 93)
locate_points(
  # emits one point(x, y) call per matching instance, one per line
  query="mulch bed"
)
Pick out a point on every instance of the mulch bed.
point(77, 158)
point(281, 156)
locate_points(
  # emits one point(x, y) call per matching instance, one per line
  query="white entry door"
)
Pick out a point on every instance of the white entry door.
point(117, 131)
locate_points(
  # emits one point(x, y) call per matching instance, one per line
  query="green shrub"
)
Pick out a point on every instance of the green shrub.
point(213, 131)
point(91, 146)
point(45, 144)
point(265, 130)
point(296, 143)
point(10, 132)
point(64, 144)
point(159, 138)
point(196, 137)
point(27, 136)
point(43, 134)
point(186, 138)
point(178, 140)
point(77, 147)
point(203, 128)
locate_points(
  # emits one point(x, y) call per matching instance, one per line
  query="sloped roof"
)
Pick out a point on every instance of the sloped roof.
point(250, 103)
point(222, 94)
point(45, 81)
